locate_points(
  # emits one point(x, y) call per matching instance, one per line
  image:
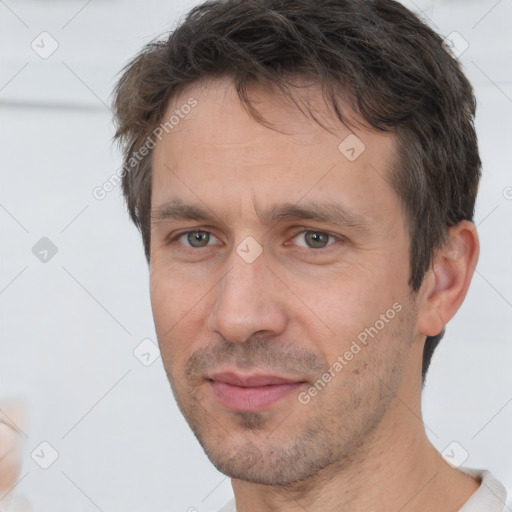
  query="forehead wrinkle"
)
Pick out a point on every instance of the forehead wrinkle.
point(329, 213)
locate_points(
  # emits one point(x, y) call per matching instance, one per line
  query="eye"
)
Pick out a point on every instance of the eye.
point(315, 239)
point(311, 239)
point(194, 239)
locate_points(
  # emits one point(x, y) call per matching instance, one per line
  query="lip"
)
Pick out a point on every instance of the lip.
point(251, 393)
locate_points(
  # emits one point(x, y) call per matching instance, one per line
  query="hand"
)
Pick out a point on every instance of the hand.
point(12, 422)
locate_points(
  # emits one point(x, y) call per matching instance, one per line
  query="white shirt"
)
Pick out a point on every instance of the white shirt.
point(489, 497)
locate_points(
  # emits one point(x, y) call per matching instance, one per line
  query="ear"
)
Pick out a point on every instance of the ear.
point(445, 286)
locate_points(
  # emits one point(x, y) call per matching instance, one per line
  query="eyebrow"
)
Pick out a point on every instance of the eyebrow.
point(326, 213)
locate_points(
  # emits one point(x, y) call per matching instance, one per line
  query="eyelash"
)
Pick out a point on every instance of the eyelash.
point(335, 237)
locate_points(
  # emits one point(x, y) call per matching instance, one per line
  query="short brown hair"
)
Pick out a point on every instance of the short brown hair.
point(377, 55)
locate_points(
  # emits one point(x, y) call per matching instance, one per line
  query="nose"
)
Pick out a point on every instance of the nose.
point(249, 300)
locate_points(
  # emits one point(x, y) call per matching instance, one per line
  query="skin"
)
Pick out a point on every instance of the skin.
point(359, 443)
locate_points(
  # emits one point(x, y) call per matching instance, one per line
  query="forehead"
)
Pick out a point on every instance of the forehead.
point(216, 147)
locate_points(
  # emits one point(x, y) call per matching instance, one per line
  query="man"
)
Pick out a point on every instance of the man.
point(303, 175)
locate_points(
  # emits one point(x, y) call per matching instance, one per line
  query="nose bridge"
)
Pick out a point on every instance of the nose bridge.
point(245, 301)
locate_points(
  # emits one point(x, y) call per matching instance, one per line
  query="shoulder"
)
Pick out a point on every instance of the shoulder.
point(490, 496)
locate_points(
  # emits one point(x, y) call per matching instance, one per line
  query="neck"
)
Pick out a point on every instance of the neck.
point(396, 469)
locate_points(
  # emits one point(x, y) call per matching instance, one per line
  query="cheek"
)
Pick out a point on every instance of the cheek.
point(352, 315)
point(172, 295)
point(178, 307)
point(169, 305)
point(348, 298)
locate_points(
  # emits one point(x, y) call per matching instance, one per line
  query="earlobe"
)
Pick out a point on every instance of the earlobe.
point(446, 285)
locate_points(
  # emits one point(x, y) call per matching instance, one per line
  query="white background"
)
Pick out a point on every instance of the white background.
point(69, 326)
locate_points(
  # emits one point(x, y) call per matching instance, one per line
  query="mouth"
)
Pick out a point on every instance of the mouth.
point(251, 393)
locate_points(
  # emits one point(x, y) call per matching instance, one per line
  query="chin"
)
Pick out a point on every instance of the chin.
point(265, 463)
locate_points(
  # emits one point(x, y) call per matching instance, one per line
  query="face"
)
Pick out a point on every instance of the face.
point(279, 282)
